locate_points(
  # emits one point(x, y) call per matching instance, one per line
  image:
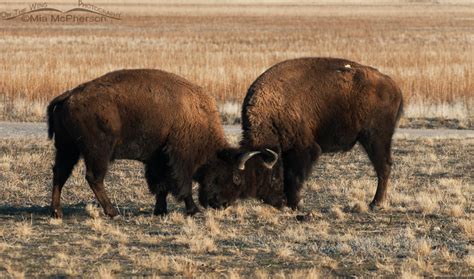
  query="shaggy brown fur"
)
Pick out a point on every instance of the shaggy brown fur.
point(309, 106)
point(151, 116)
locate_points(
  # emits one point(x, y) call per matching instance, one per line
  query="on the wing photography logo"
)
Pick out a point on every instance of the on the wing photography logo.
point(41, 12)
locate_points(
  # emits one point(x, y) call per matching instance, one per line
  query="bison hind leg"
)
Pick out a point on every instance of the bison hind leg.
point(378, 148)
point(66, 159)
point(97, 162)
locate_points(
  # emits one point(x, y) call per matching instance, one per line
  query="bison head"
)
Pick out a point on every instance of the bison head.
point(236, 174)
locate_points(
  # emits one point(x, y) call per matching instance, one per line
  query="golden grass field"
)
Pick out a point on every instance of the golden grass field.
point(427, 48)
point(427, 228)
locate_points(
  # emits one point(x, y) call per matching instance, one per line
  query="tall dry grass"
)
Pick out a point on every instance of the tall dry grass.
point(428, 49)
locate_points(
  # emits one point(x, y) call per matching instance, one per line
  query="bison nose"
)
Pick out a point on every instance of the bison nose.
point(203, 198)
point(281, 203)
point(204, 202)
point(213, 203)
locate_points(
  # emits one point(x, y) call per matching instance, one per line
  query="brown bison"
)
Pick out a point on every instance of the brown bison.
point(151, 116)
point(302, 108)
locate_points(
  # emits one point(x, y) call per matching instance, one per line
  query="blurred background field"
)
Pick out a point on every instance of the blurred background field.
point(426, 46)
point(427, 228)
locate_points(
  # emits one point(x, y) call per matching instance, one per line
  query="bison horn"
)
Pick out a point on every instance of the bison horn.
point(246, 157)
point(273, 162)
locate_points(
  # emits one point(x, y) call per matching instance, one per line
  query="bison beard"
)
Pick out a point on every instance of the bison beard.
point(306, 107)
point(151, 116)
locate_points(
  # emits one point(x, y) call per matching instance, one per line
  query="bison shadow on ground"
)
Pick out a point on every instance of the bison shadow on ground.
point(75, 210)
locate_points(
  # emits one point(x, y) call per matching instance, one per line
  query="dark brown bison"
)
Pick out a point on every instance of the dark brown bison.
point(151, 116)
point(305, 107)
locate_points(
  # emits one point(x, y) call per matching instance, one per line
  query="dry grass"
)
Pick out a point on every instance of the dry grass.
point(423, 248)
point(470, 260)
point(107, 271)
point(360, 207)
point(409, 238)
point(13, 272)
point(426, 204)
point(467, 226)
point(456, 211)
point(92, 211)
point(427, 48)
point(337, 213)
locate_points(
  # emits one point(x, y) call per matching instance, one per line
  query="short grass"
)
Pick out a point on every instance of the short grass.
point(427, 229)
point(426, 46)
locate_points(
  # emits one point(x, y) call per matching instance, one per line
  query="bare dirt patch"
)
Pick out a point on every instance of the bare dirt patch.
point(426, 229)
point(436, 123)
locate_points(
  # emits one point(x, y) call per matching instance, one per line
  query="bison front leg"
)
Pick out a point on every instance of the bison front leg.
point(293, 185)
point(182, 190)
point(297, 165)
point(161, 206)
point(158, 177)
point(378, 149)
point(180, 182)
point(187, 196)
point(191, 208)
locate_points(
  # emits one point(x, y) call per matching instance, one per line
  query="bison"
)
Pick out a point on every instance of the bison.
point(303, 108)
point(152, 116)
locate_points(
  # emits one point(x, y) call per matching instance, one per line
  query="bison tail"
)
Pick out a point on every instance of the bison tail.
point(53, 105)
point(400, 109)
point(51, 108)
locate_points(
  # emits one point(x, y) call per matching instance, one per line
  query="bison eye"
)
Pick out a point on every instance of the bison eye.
point(236, 179)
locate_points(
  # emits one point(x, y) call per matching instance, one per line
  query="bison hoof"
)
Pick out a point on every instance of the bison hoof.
point(57, 213)
point(305, 217)
point(376, 206)
point(295, 206)
point(116, 217)
point(192, 211)
point(160, 212)
point(112, 213)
